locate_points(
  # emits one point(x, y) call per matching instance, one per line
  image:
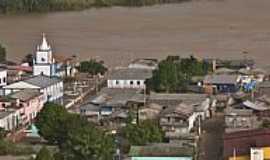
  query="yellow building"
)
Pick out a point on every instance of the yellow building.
point(266, 155)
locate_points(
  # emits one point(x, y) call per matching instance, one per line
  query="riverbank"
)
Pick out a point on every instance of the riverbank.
point(30, 6)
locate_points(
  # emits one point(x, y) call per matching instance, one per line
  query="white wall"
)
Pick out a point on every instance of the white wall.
point(43, 57)
point(3, 78)
point(9, 122)
point(126, 84)
point(45, 69)
point(53, 92)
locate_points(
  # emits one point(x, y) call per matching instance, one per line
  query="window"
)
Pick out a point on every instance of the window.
point(131, 82)
point(43, 59)
point(4, 80)
point(117, 82)
point(138, 83)
point(0, 80)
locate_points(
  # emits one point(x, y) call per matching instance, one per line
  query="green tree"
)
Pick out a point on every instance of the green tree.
point(3, 133)
point(50, 122)
point(44, 154)
point(146, 132)
point(92, 67)
point(76, 137)
point(28, 59)
point(174, 74)
point(87, 142)
point(3, 54)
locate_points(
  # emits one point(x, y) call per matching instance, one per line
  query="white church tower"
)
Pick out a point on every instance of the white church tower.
point(43, 62)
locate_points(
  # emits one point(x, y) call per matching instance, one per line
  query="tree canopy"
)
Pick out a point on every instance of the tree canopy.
point(50, 122)
point(92, 67)
point(44, 154)
point(76, 137)
point(28, 59)
point(174, 73)
point(3, 54)
point(14, 6)
point(145, 132)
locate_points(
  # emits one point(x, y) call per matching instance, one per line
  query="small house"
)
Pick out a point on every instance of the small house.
point(177, 121)
point(221, 83)
point(128, 78)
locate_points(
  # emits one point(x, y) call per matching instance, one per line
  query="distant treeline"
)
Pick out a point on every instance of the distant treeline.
point(26, 6)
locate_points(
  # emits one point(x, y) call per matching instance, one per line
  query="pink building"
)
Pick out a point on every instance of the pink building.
point(26, 104)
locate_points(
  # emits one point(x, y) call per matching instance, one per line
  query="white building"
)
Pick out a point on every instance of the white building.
point(46, 63)
point(128, 78)
point(3, 77)
point(51, 87)
point(9, 120)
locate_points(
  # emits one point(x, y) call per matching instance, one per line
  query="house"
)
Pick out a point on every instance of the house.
point(29, 103)
point(91, 112)
point(200, 102)
point(256, 153)
point(3, 77)
point(116, 120)
point(150, 111)
point(150, 64)
point(177, 121)
point(222, 83)
point(240, 119)
point(128, 78)
point(51, 87)
point(239, 143)
point(264, 88)
point(9, 119)
point(161, 151)
point(45, 63)
point(109, 102)
point(25, 104)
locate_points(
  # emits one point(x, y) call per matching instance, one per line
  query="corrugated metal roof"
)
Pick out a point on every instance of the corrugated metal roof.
point(159, 150)
point(114, 96)
point(43, 81)
point(26, 94)
point(221, 79)
point(130, 74)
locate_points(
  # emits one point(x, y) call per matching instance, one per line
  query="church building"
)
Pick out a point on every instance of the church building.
point(45, 63)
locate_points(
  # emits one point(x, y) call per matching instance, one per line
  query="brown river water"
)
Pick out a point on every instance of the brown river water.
point(205, 28)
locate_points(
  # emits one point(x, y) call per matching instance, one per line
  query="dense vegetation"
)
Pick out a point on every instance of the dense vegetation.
point(14, 6)
point(75, 136)
point(175, 73)
point(3, 54)
point(145, 132)
point(92, 67)
point(44, 154)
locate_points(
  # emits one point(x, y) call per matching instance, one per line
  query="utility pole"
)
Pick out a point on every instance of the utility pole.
point(199, 126)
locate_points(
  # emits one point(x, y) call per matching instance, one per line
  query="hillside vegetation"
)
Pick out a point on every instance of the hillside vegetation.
point(26, 6)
